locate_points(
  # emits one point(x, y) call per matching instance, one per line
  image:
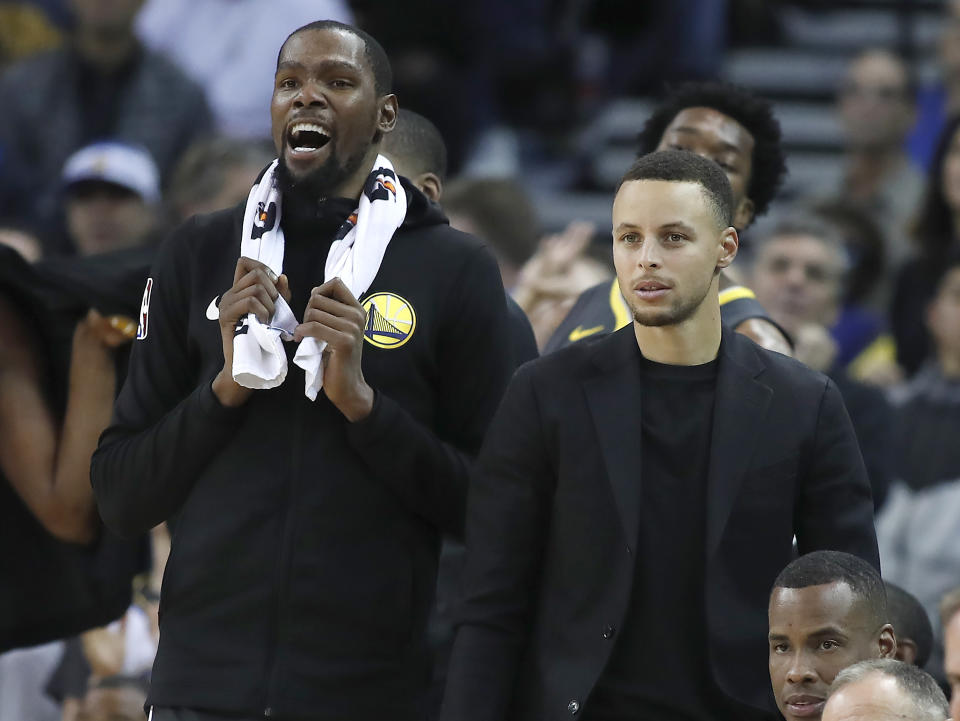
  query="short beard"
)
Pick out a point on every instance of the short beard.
point(680, 311)
point(320, 182)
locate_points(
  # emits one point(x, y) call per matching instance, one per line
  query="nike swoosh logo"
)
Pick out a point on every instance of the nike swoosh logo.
point(581, 332)
point(213, 310)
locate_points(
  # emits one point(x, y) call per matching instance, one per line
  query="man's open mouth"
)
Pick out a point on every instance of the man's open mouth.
point(305, 137)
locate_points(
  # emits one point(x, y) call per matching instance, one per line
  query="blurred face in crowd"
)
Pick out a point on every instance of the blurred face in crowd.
point(943, 315)
point(815, 633)
point(326, 113)
point(711, 134)
point(105, 16)
point(797, 278)
point(951, 174)
point(876, 697)
point(875, 103)
point(668, 248)
point(951, 662)
point(103, 216)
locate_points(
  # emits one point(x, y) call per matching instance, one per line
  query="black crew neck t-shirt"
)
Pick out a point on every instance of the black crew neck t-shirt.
point(659, 667)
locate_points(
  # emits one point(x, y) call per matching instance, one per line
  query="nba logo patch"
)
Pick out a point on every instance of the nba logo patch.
point(145, 310)
point(390, 320)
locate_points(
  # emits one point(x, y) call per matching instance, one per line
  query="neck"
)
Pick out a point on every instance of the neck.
point(693, 342)
point(949, 364)
point(867, 167)
point(352, 186)
point(105, 50)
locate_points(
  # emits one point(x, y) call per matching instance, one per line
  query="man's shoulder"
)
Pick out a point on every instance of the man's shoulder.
point(581, 359)
point(779, 371)
point(34, 69)
point(207, 235)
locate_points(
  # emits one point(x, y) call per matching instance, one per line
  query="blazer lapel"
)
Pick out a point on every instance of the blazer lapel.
point(613, 395)
point(740, 407)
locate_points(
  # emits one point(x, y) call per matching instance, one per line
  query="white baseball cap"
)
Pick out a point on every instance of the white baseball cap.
point(128, 166)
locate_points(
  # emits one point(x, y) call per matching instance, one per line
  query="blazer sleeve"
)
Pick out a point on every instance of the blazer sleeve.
point(507, 525)
point(138, 479)
point(835, 509)
point(430, 468)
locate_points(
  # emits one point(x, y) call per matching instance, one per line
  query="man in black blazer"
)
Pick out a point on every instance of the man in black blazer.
point(639, 494)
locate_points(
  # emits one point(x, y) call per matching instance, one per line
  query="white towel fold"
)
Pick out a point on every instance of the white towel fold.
point(259, 360)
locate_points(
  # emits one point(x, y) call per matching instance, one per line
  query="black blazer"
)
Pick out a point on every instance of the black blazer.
point(553, 521)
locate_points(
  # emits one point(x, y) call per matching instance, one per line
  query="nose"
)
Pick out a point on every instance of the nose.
point(800, 671)
point(311, 94)
point(648, 254)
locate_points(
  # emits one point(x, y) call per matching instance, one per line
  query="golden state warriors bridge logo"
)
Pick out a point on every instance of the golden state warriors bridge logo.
point(390, 320)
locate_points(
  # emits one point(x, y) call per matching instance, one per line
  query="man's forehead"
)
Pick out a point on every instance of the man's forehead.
point(807, 609)
point(309, 47)
point(712, 126)
point(650, 200)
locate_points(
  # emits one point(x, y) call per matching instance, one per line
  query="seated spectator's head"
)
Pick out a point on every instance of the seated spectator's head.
point(950, 616)
point(798, 272)
point(114, 698)
point(943, 316)
point(111, 192)
point(499, 212)
point(105, 19)
point(876, 102)
point(417, 151)
point(827, 611)
point(215, 174)
point(937, 228)
point(885, 690)
point(732, 127)
point(863, 239)
point(910, 624)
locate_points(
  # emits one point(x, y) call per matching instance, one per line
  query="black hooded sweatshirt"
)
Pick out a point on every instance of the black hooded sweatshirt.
point(305, 547)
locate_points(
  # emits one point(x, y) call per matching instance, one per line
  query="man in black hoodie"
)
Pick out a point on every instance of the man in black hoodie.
point(305, 534)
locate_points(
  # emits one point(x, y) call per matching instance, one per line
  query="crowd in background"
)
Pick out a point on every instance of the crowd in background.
point(121, 120)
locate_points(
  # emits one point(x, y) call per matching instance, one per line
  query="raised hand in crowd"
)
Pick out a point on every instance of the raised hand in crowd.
point(48, 463)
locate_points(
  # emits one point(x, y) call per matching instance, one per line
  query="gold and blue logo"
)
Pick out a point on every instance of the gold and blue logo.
point(391, 320)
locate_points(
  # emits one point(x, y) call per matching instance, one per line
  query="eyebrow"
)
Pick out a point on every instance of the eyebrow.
point(695, 131)
point(677, 224)
point(323, 65)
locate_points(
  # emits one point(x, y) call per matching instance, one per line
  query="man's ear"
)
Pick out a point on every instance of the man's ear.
point(906, 650)
point(743, 215)
point(729, 244)
point(887, 642)
point(388, 113)
point(430, 185)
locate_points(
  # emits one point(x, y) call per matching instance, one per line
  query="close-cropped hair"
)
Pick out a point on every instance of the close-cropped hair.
point(374, 52)
point(418, 142)
point(910, 620)
point(680, 166)
point(820, 568)
point(768, 161)
point(920, 688)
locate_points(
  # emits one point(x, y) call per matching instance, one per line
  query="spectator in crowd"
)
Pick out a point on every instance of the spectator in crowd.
point(885, 690)
point(565, 605)
point(300, 578)
point(876, 106)
point(417, 151)
point(111, 197)
point(798, 273)
point(864, 343)
point(214, 174)
point(828, 610)
point(911, 624)
point(101, 84)
point(937, 235)
point(950, 617)
point(941, 99)
point(738, 130)
point(500, 212)
point(228, 47)
point(929, 404)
